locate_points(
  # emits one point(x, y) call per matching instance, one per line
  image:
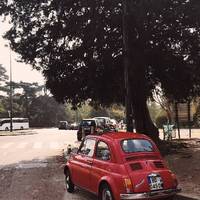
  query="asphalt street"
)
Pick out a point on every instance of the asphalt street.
point(31, 166)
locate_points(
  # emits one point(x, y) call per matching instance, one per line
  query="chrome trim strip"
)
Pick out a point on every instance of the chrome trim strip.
point(149, 195)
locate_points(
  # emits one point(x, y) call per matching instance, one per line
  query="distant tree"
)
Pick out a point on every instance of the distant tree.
point(28, 95)
point(46, 112)
point(117, 111)
point(165, 103)
point(154, 110)
point(3, 78)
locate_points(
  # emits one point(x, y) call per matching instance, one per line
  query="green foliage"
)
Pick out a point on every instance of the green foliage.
point(154, 110)
point(3, 79)
point(89, 111)
point(117, 112)
point(46, 112)
point(161, 120)
point(78, 45)
point(3, 76)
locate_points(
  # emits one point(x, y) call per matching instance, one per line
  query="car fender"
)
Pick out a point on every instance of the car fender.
point(112, 183)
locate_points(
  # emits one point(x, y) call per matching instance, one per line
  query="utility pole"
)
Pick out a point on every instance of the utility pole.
point(126, 57)
point(11, 98)
point(189, 118)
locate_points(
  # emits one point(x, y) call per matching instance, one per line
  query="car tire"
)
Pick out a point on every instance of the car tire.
point(105, 193)
point(6, 129)
point(68, 182)
point(22, 128)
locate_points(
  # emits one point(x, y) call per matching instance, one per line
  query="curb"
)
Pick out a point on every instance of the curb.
point(183, 196)
point(18, 133)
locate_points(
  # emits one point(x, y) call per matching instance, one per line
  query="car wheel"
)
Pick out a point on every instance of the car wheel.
point(105, 193)
point(21, 127)
point(6, 129)
point(68, 182)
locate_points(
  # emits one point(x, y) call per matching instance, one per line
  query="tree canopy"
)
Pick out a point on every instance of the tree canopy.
point(3, 78)
point(78, 46)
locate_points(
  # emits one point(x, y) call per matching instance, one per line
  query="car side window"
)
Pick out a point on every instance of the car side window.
point(103, 151)
point(87, 147)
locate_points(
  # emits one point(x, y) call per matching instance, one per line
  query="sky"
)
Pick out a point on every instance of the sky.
point(20, 71)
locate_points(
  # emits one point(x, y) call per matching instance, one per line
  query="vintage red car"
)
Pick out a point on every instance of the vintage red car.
point(119, 166)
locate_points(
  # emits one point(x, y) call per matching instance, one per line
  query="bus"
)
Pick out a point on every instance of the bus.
point(17, 124)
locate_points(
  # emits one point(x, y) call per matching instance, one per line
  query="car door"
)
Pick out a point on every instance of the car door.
point(101, 164)
point(82, 163)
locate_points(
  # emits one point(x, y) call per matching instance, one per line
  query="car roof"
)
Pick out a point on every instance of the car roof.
point(120, 135)
point(90, 119)
point(101, 117)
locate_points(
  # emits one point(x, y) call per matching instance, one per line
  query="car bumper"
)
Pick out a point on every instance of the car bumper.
point(150, 195)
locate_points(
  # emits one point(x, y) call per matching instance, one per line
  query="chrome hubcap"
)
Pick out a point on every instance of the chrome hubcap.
point(67, 181)
point(106, 194)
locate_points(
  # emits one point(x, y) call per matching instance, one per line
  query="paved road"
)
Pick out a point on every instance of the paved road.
point(48, 142)
point(31, 166)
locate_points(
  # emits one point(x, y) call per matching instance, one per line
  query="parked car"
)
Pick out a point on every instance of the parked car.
point(106, 123)
point(87, 127)
point(63, 125)
point(74, 126)
point(120, 166)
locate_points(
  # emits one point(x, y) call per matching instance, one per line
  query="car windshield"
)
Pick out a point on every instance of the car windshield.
point(88, 123)
point(136, 145)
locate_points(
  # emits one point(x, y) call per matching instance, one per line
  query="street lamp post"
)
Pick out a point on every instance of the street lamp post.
point(11, 91)
point(11, 98)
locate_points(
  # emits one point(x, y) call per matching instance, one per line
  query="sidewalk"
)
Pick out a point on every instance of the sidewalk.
point(184, 133)
point(18, 132)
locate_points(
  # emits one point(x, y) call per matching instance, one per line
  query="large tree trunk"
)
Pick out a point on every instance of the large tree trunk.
point(135, 87)
point(127, 65)
point(143, 122)
point(139, 92)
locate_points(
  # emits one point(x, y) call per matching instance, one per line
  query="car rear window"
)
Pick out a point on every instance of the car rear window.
point(136, 145)
point(88, 123)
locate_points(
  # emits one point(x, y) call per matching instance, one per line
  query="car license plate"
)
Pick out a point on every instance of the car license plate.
point(155, 182)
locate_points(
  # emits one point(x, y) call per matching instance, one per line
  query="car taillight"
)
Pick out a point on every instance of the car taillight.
point(128, 185)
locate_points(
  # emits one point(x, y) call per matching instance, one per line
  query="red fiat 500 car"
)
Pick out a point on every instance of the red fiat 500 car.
point(119, 166)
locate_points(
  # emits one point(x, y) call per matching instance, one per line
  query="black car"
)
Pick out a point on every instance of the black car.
point(87, 127)
point(63, 125)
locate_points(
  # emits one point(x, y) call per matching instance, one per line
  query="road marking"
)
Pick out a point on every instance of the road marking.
point(37, 145)
point(30, 165)
point(54, 145)
point(7, 145)
point(22, 145)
